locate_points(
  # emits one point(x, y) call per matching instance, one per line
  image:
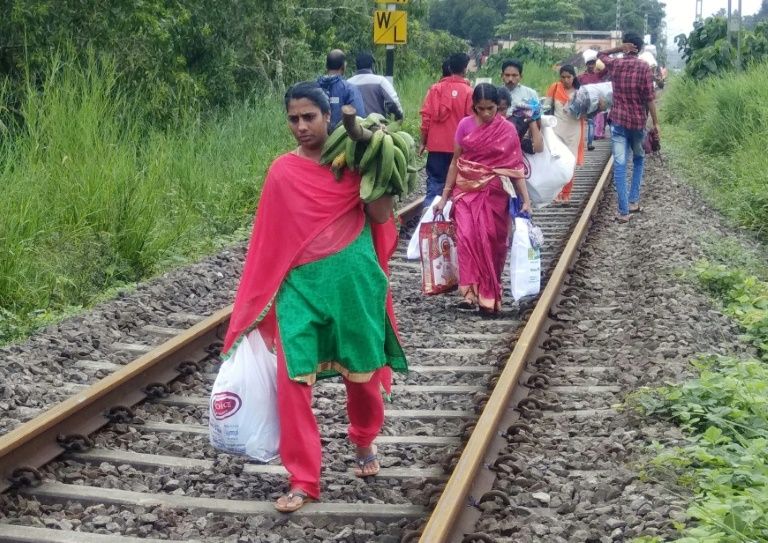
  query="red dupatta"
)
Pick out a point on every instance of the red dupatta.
point(299, 200)
point(490, 150)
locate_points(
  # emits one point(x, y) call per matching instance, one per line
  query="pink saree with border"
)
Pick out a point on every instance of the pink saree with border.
point(481, 205)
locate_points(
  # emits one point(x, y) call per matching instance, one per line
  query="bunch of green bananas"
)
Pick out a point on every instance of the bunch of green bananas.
point(387, 163)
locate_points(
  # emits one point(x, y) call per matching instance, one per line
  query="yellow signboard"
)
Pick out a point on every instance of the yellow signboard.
point(390, 27)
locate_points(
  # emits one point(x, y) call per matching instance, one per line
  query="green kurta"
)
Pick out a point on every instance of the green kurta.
point(332, 317)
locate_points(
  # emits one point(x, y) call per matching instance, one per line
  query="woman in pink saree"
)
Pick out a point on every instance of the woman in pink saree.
point(486, 170)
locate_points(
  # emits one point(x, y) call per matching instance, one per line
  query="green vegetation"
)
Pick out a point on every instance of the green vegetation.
point(539, 18)
point(710, 51)
point(482, 20)
point(715, 131)
point(93, 196)
point(200, 53)
point(724, 412)
point(135, 136)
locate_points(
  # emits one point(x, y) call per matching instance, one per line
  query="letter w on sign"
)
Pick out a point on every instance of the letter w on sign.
point(390, 27)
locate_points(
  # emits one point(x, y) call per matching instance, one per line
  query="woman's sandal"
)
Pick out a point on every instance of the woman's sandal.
point(293, 501)
point(361, 463)
point(487, 312)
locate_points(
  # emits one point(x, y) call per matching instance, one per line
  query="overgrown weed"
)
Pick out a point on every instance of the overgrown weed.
point(716, 132)
point(724, 413)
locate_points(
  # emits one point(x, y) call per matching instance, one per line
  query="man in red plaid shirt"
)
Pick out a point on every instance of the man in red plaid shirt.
point(633, 99)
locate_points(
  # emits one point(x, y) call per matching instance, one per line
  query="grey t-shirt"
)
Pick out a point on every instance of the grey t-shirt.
point(521, 94)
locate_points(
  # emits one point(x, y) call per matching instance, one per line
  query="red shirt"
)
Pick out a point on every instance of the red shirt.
point(447, 102)
point(632, 80)
point(590, 78)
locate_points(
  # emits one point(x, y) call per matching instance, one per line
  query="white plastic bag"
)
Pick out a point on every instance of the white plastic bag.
point(242, 417)
point(547, 172)
point(525, 259)
point(414, 251)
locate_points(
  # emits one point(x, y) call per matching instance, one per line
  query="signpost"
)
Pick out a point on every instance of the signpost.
point(390, 28)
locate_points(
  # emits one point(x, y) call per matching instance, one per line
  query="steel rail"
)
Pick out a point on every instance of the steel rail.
point(40, 440)
point(454, 498)
point(37, 441)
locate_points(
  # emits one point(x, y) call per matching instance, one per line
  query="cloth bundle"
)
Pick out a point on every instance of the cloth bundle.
point(587, 99)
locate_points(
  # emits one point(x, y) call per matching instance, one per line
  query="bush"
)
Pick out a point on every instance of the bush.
point(721, 124)
point(95, 197)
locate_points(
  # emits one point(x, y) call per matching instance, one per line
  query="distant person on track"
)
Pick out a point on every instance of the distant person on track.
point(340, 92)
point(486, 149)
point(512, 75)
point(447, 102)
point(379, 96)
point(569, 128)
point(590, 77)
point(633, 99)
point(314, 285)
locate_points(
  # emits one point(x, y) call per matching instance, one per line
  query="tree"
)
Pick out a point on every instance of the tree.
point(601, 15)
point(540, 18)
point(473, 21)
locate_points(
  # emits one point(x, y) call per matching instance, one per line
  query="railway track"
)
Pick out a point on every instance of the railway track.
point(128, 459)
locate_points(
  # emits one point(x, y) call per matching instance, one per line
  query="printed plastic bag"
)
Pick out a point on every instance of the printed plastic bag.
point(414, 250)
point(547, 172)
point(439, 258)
point(243, 416)
point(525, 259)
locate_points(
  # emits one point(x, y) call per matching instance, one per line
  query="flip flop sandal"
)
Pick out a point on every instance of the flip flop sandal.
point(466, 305)
point(290, 506)
point(638, 209)
point(360, 464)
point(623, 219)
point(487, 312)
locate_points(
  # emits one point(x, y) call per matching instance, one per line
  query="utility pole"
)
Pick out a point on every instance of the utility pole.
point(618, 14)
point(738, 40)
point(699, 10)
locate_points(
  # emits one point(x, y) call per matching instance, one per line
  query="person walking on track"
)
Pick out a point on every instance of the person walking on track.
point(315, 286)
point(379, 95)
point(340, 92)
point(486, 150)
point(512, 75)
point(447, 102)
point(590, 77)
point(633, 99)
point(569, 128)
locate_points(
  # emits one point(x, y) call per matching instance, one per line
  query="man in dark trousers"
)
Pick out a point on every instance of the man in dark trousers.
point(379, 96)
point(633, 99)
point(590, 77)
point(447, 102)
point(340, 92)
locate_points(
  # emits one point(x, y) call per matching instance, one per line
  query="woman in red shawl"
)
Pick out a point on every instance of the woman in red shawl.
point(315, 286)
point(486, 170)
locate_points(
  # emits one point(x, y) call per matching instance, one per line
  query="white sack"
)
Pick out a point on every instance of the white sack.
point(524, 260)
point(546, 173)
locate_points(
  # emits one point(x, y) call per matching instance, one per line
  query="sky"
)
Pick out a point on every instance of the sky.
point(680, 13)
